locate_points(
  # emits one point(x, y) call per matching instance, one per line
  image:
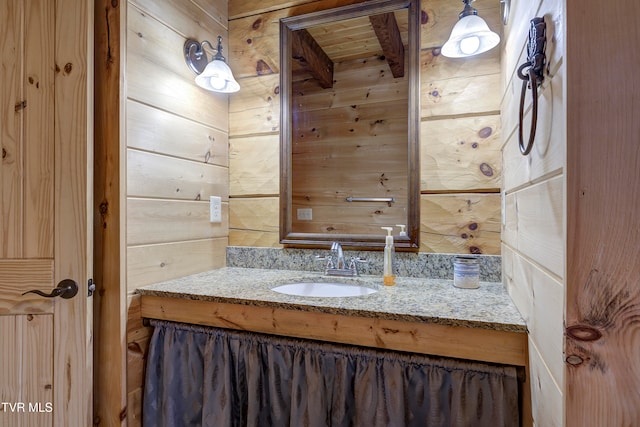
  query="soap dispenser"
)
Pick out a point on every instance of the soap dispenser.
point(402, 232)
point(389, 277)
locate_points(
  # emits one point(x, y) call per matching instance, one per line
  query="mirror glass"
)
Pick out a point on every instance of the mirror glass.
point(349, 82)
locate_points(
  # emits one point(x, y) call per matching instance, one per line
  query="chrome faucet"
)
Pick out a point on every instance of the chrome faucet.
point(335, 247)
point(339, 267)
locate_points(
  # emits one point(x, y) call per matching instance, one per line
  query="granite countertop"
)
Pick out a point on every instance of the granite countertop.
point(411, 299)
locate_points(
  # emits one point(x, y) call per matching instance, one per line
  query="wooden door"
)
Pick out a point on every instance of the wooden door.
point(45, 207)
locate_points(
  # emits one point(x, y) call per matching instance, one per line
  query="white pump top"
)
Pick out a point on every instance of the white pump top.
point(402, 232)
point(389, 239)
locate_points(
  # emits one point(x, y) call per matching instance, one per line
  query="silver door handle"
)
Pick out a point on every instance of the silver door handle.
point(66, 289)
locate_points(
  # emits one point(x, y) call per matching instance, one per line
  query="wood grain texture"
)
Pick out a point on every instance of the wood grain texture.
point(254, 166)
point(548, 155)
point(138, 337)
point(165, 81)
point(464, 90)
point(152, 221)
point(390, 39)
point(20, 275)
point(309, 55)
point(257, 214)
point(322, 177)
point(38, 370)
point(425, 338)
point(38, 129)
point(539, 297)
point(254, 238)
point(216, 9)
point(546, 394)
point(341, 217)
point(435, 67)
point(177, 156)
point(151, 129)
point(254, 38)
point(254, 28)
point(534, 223)
point(515, 36)
point(239, 8)
point(603, 228)
point(73, 320)
point(547, 158)
point(46, 131)
point(155, 263)
point(461, 154)
point(26, 167)
point(534, 214)
point(181, 15)
point(11, 97)
point(460, 223)
point(461, 95)
point(256, 108)
point(159, 176)
point(11, 368)
point(360, 124)
point(27, 375)
point(254, 221)
point(109, 401)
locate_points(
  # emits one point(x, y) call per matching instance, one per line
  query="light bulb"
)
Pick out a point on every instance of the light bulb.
point(469, 45)
point(217, 82)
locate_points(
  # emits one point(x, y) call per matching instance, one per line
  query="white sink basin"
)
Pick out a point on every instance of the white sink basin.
point(323, 290)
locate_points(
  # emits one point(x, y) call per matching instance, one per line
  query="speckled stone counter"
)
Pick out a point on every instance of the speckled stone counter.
point(412, 299)
point(407, 264)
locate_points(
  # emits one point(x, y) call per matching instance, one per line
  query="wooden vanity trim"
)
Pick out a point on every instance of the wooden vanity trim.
point(485, 345)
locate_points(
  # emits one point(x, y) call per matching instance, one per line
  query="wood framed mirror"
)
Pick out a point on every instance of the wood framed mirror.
point(349, 135)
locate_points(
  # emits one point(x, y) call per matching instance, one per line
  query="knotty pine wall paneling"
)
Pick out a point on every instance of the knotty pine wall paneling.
point(177, 155)
point(534, 212)
point(460, 129)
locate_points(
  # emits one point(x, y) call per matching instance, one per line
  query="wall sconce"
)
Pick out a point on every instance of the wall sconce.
point(216, 75)
point(470, 36)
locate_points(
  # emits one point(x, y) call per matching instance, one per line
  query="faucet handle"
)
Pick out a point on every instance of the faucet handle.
point(325, 258)
point(353, 264)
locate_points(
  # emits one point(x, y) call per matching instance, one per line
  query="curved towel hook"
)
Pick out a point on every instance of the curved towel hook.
point(533, 78)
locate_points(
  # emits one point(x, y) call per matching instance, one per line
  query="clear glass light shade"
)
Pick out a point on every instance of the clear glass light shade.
point(217, 77)
point(470, 36)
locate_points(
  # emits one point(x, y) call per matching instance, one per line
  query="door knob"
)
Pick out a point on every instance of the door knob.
point(66, 289)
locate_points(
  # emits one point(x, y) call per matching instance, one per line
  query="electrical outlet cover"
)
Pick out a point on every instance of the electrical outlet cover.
point(304, 214)
point(215, 209)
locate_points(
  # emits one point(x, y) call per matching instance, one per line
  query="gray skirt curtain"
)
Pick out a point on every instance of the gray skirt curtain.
point(202, 376)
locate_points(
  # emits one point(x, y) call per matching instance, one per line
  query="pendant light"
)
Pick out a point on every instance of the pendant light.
point(470, 36)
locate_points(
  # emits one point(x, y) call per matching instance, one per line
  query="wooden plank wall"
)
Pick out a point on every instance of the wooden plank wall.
point(360, 123)
point(533, 227)
point(176, 157)
point(460, 131)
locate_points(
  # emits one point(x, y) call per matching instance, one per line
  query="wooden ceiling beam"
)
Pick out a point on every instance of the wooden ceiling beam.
point(386, 28)
point(309, 54)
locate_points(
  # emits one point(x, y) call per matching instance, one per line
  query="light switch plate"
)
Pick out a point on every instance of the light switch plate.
point(215, 209)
